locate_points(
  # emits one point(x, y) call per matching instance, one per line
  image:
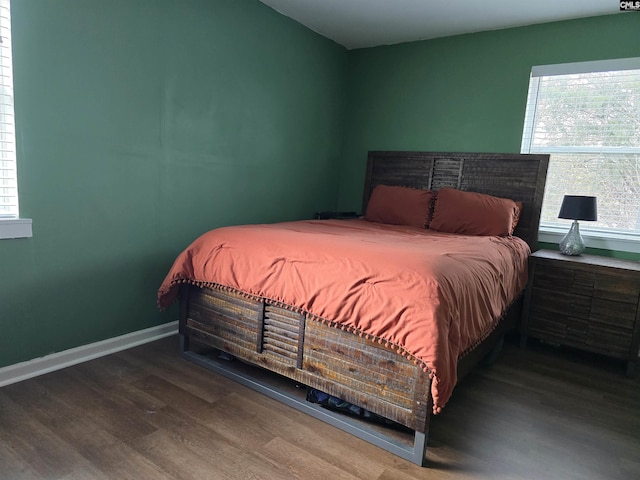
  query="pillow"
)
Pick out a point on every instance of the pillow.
point(470, 213)
point(400, 206)
point(516, 216)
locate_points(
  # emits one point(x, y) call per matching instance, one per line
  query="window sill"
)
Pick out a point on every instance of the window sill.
point(608, 241)
point(15, 228)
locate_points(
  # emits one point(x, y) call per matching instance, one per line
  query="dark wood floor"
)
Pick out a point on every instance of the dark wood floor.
point(540, 413)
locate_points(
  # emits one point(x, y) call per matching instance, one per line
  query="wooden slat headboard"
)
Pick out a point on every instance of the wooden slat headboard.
point(520, 177)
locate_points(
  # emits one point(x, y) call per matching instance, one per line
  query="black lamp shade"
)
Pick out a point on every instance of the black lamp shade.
point(578, 207)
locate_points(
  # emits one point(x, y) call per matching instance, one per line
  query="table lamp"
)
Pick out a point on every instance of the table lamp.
point(576, 207)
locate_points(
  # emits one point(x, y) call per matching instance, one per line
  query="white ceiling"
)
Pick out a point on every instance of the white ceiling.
point(369, 23)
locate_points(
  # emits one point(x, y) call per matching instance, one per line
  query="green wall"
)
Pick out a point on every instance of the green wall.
point(140, 125)
point(463, 93)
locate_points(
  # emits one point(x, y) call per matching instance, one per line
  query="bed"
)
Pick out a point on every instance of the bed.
point(349, 346)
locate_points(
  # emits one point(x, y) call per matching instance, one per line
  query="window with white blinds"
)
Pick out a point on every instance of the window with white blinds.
point(587, 117)
point(8, 172)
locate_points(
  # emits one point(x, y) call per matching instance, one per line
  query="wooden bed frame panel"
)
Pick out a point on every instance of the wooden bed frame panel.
point(361, 371)
point(357, 370)
point(520, 177)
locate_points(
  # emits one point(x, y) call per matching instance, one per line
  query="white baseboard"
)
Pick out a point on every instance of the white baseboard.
point(56, 361)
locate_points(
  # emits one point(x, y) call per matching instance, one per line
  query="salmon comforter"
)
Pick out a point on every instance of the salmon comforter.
point(431, 296)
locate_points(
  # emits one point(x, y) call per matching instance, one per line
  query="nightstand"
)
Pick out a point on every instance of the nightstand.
point(587, 302)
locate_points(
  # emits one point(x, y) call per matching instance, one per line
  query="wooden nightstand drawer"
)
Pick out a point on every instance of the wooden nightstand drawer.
point(549, 303)
point(546, 325)
point(583, 282)
point(557, 279)
point(577, 330)
point(616, 288)
point(614, 313)
point(586, 302)
point(609, 340)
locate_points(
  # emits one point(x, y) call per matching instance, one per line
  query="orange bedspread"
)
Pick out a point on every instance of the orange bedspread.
point(431, 295)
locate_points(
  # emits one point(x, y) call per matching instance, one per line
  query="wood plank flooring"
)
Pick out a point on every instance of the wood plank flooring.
point(145, 413)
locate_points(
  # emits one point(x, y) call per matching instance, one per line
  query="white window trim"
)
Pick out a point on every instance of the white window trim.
point(15, 228)
point(11, 226)
point(552, 233)
point(632, 63)
point(603, 241)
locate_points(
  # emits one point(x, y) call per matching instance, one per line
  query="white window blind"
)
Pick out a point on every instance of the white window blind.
point(587, 117)
point(8, 172)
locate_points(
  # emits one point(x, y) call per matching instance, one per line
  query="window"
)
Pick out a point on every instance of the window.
point(587, 117)
point(11, 226)
point(8, 176)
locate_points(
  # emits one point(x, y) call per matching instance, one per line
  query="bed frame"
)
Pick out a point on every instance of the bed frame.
point(287, 345)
